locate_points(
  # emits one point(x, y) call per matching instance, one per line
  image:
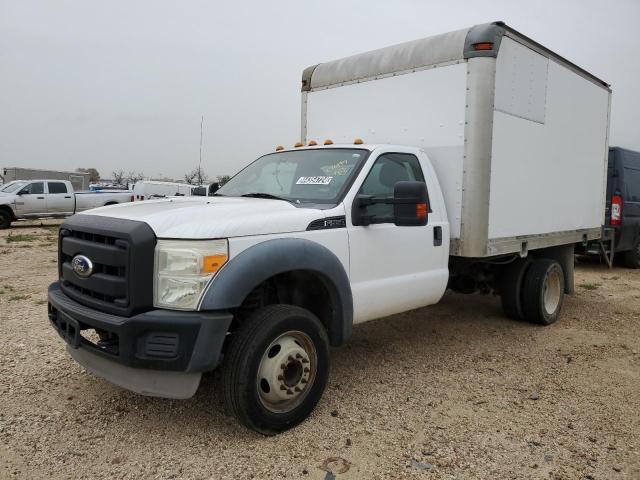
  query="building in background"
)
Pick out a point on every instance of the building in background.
point(79, 180)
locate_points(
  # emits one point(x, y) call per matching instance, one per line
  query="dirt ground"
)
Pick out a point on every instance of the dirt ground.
point(451, 391)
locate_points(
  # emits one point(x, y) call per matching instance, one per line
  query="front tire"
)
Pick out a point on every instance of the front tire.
point(543, 291)
point(276, 368)
point(5, 219)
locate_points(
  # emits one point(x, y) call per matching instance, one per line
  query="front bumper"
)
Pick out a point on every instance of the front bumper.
point(148, 353)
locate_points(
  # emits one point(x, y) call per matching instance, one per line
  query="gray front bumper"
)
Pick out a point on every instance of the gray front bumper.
point(154, 383)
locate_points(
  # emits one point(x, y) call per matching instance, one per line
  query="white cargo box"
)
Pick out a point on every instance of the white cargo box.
point(518, 135)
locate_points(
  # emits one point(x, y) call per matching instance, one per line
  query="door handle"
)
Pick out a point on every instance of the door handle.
point(40, 198)
point(437, 236)
point(67, 197)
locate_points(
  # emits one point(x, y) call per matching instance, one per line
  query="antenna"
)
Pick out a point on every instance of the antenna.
point(201, 122)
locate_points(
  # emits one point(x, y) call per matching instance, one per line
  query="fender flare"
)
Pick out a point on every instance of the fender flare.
point(250, 268)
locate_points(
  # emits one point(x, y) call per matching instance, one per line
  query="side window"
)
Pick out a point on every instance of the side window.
point(632, 182)
point(389, 169)
point(35, 188)
point(57, 187)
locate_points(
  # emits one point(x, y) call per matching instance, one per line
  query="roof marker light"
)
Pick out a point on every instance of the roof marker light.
point(328, 142)
point(312, 143)
point(483, 46)
point(358, 141)
point(298, 145)
point(279, 147)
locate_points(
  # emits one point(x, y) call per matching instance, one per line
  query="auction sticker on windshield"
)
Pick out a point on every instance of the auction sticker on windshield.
point(320, 180)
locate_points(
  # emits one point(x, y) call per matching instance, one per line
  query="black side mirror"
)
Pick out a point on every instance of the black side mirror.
point(21, 192)
point(410, 207)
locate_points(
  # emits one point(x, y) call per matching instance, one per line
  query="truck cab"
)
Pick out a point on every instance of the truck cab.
point(316, 238)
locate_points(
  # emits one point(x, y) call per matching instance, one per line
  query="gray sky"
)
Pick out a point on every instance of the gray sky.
point(122, 84)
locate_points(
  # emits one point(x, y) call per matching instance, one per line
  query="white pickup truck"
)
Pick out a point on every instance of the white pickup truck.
point(50, 198)
point(486, 166)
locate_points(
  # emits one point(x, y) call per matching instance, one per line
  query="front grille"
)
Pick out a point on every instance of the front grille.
point(121, 252)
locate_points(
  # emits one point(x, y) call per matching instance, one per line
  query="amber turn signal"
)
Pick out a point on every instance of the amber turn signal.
point(421, 210)
point(212, 263)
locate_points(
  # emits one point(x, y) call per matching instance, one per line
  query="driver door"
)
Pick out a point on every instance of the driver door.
point(31, 199)
point(396, 268)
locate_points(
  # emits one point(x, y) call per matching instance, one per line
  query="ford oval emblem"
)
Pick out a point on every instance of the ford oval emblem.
point(82, 266)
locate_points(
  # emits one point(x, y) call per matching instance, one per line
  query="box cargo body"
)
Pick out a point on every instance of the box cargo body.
point(518, 136)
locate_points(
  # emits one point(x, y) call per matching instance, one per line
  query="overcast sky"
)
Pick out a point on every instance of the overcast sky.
point(122, 84)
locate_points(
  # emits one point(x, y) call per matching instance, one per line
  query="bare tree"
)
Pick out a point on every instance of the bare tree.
point(133, 177)
point(222, 179)
point(118, 177)
point(197, 176)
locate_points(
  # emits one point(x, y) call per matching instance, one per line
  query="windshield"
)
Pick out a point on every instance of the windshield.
point(12, 187)
point(313, 176)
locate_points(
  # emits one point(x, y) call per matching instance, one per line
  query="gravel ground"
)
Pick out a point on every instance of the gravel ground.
point(451, 391)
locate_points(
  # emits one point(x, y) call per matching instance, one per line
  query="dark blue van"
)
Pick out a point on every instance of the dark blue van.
point(623, 203)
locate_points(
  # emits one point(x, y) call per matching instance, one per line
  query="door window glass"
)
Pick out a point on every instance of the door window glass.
point(35, 188)
point(57, 187)
point(389, 169)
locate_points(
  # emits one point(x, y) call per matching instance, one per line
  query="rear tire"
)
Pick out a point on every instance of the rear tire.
point(276, 368)
point(632, 257)
point(511, 288)
point(543, 291)
point(5, 219)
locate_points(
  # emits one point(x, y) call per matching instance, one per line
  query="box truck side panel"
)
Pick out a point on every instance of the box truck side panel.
point(548, 149)
point(425, 109)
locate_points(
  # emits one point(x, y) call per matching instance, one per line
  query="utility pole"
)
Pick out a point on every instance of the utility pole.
point(200, 162)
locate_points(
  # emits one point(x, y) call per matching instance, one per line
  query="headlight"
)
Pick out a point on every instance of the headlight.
point(182, 270)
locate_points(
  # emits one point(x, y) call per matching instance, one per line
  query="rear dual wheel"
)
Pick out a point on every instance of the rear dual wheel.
point(276, 368)
point(533, 290)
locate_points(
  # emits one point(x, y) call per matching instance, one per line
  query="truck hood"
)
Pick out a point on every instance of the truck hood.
point(214, 217)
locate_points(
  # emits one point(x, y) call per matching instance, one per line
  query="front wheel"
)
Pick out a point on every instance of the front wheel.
point(276, 368)
point(5, 219)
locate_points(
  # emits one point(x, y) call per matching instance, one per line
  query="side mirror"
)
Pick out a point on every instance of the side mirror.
point(21, 192)
point(410, 207)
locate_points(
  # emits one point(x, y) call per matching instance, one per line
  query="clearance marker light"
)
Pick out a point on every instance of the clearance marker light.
point(279, 147)
point(483, 46)
point(298, 145)
point(328, 142)
point(312, 143)
point(358, 141)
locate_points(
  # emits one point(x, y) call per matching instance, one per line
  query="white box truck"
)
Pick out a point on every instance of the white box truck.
point(484, 165)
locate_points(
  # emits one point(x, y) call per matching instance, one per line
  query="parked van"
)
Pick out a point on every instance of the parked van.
point(623, 203)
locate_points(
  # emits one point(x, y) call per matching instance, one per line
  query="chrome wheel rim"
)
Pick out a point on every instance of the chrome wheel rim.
point(552, 291)
point(287, 371)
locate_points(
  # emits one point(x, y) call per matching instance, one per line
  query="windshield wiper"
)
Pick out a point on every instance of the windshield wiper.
point(266, 195)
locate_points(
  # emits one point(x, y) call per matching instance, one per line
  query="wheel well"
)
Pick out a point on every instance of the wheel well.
point(302, 288)
point(5, 208)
